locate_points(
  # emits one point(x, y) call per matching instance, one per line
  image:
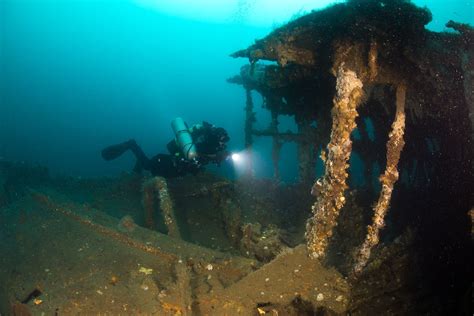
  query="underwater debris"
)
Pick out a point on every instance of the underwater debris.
point(333, 185)
point(281, 289)
point(320, 297)
point(303, 40)
point(113, 280)
point(37, 301)
point(127, 224)
point(46, 203)
point(150, 188)
point(384, 44)
point(178, 299)
point(32, 296)
point(232, 221)
point(263, 244)
point(394, 148)
point(249, 120)
point(391, 277)
point(463, 28)
point(145, 271)
point(183, 284)
point(408, 96)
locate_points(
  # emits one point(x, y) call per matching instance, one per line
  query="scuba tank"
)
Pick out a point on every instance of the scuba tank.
point(184, 138)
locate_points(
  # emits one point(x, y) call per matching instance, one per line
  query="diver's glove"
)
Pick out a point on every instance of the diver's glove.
point(221, 156)
point(188, 165)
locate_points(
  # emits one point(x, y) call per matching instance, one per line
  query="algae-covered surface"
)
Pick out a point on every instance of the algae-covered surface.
point(388, 235)
point(69, 248)
point(68, 251)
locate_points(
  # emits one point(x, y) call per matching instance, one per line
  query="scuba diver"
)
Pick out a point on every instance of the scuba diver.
point(189, 152)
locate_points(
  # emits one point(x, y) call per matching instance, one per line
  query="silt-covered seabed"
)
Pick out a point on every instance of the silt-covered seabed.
point(205, 245)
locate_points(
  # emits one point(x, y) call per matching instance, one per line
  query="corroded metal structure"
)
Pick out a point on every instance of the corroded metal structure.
point(151, 188)
point(363, 77)
point(373, 59)
point(267, 80)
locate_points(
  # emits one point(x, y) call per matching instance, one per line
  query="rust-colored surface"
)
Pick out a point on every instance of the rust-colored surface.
point(46, 202)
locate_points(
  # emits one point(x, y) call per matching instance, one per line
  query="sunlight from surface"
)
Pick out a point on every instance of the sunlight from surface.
point(268, 13)
point(263, 13)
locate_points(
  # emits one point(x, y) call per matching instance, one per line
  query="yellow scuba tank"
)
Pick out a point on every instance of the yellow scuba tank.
point(184, 138)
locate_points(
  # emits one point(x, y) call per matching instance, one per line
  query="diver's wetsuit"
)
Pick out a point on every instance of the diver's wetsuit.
point(210, 146)
point(210, 142)
point(168, 166)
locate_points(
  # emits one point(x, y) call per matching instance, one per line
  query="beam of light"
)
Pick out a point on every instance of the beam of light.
point(236, 157)
point(240, 161)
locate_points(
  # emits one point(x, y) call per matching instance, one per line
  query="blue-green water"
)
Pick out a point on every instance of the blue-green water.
point(76, 76)
point(79, 75)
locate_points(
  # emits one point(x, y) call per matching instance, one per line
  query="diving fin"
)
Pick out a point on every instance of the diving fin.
point(115, 151)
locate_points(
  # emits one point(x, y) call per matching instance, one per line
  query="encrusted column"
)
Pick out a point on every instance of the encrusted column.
point(150, 188)
point(248, 129)
point(330, 188)
point(394, 148)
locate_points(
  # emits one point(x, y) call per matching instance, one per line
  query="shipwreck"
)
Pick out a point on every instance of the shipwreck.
point(362, 77)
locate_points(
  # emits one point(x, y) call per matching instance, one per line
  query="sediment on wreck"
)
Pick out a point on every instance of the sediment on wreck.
point(402, 271)
point(330, 190)
point(179, 299)
point(151, 188)
point(394, 148)
point(425, 190)
point(249, 120)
